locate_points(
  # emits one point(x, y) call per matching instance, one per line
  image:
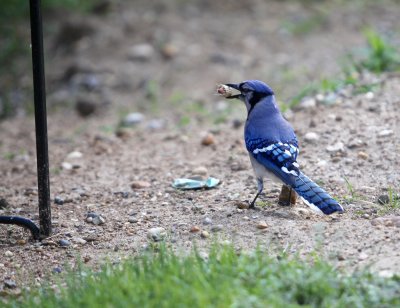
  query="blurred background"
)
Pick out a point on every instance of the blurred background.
point(165, 57)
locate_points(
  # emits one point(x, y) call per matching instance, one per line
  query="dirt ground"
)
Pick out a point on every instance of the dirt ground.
point(164, 61)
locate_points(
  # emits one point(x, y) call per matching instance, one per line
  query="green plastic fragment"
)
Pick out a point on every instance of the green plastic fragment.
point(195, 184)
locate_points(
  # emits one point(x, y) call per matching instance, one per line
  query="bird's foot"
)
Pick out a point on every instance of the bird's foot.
point(252, 206)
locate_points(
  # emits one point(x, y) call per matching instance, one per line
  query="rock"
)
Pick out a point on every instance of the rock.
point(66, 165)
point(10, 284)
point(141, 52)
point(57, 270)
point(362, 155)
point(99, 220)
point(95, 218)
point(132, 119)
point(242, 205)
point(365, 216)
point(140, 184)
point(237, 166)
point(123, 133)
point(385, 133)
point(311, 137)
point(132, 220)
point(208, 139)
point(194, 229)
point(79, 240)
point(156, 124)
point(8, 253)
point(207, 221)
point(64, 243)
point(156, 234)
point(362, 256)
point(58, 200)
point(355, 143)
point(3, 203)
point(322, 163)
point(85, 107)
point(237, 123)
point(74, 155)
point(340, 257)
point(201, 170)
point(204, 234)
point(169, 51)
point(383, 199)
point(262, 225)
point(307, 103)
point(392, 221)
point(336, 148)
point(217, 228)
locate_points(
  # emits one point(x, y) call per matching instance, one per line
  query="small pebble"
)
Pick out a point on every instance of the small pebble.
point(85, 107)
point(216, 228)
point(79, 240)
point(311, 137)
point(200, 171)
point(207, 221)
point(262, 225)
point(58, 200)
point(307, 103)
point(204, 234)
point(57, 270)
point(241, 205)
point(99, 220)
point(133, 119)
point(169, 51)
point(132, 220)
point(362, 256)
point(337, 147)
point(236, 123)
point(75, 155)
point(156, 234)
point(383, 199)
point(141, 52)
point(66, 166)
point(340, 257)
point(194, 229)
point(140, 184)
point(64, 243)
point(10, 284)
point(385, 133)
point(208, 139)
point(362, 155)
point(8, 253)
point(3, 203)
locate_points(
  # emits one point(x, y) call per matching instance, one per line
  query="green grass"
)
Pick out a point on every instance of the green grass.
point(393, 204)
point(378, 56)
point(224, 279)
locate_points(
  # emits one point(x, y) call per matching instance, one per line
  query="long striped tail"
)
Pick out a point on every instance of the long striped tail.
point(314, 196)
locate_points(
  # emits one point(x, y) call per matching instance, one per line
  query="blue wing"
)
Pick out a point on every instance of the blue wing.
point(280, 158)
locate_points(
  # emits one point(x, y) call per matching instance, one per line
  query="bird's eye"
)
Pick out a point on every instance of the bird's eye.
point(245, 90)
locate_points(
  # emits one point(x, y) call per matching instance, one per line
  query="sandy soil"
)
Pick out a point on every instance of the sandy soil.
point(189, 48)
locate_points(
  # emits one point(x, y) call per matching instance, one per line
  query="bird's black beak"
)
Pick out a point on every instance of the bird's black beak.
point(236, 87)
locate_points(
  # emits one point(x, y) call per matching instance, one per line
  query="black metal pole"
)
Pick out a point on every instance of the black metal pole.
point(40, 117)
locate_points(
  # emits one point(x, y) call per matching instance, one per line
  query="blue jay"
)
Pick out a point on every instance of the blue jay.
point(272, 145)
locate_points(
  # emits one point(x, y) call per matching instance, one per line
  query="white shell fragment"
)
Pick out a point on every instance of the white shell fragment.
point(226, 91)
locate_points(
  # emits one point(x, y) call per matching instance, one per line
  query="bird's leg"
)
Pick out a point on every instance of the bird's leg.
point(292, 197)
point(287, 196)
point(260, 187)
